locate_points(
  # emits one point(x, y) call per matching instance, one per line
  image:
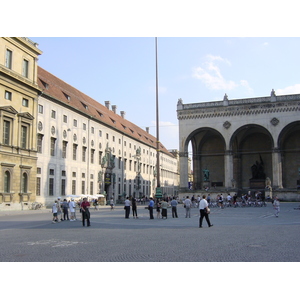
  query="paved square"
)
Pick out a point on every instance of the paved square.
point(250, 234)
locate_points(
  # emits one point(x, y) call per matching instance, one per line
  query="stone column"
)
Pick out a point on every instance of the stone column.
point(183, 161)
point(277, 168)
point(228, 167)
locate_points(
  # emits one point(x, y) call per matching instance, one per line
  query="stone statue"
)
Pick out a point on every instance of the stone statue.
point(258, 170)
point(205, 174)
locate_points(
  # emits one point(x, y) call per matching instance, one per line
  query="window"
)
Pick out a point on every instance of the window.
point(92, 155)
point(25, 68)
point(65, 119)
point(74, 187)
point(100, 157)
point(74, 151)
point(63, 187)
point(51, 172)
point(53, 114)
point(84, 126)
point(75, 123)
point(38, 186)
point(24, 136)
point(24, 187)
point(7, 95)
point(51, 186)
point(91, 188)
point(41, 109)
point(92, 130)
point(6, 132)
point(52, 146)
point(8, 59)
point(64, 149)
point(83, 153)
point(25, 102)
point(83, 187)
point(7, 182)
point(100, 133)
point(40, 143)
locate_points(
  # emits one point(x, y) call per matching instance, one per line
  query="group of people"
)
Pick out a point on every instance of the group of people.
point(162, 209)
point(60, 211)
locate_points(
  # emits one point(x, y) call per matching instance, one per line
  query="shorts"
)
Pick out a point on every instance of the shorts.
point(54, 214)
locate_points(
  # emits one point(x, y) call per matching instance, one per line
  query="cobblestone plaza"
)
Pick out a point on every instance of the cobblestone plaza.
point(249, 234)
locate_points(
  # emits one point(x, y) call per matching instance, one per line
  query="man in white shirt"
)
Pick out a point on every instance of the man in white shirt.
point(203, 205)
point(72, 207)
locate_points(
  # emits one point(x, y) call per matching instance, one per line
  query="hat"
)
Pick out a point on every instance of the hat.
point(58, 198)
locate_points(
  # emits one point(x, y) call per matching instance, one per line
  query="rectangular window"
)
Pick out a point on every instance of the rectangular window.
point(6, 132)
point(51, 172)
point(41, 109)
point(40, 143)
point(64, 149)
point(23, 136)
point(8, 59)
point(25, 68)
point(74, 151)
point(74, 187)
point(100, 157)
point(51, 186)
point(63, 187)
point(52, 146)
point(82, 187)
point(84, 126)
point(92, 155)
point(38, 186)
point(75, 123)
point(65, 118)
point(25, 102)
point(53, 114)
point(91, 188)
point(83, 153)
point(7, 95)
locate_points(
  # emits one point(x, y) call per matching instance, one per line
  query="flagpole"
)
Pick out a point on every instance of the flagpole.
point(158, 189)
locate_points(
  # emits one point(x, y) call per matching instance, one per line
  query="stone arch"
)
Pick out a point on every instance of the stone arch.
point(208, 150)
point(249, 145)
point(289, 147)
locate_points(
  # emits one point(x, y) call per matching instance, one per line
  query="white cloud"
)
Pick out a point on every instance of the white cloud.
point(211, 75)
point(294, 89)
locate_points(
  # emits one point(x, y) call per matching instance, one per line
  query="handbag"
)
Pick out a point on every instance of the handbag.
point(207, 210)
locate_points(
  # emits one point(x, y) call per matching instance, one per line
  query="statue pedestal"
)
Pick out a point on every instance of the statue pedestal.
point(206, 184)
point(257, 183)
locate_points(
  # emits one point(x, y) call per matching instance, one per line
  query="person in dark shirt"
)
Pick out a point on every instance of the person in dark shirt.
point(85, 212)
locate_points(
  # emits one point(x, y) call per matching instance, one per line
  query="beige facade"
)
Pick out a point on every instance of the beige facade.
point(245, 144)
point(18, 111)
point(86, 148)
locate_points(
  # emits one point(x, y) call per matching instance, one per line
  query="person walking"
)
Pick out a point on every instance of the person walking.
point(134, 208)
point(54, 212)
point(127, 208)
point(151, 207)
point(164, 209)
point(85, 212)
point(187, 205)
point(72, 207)
point(276, 206)
point(111, 203)
point(174, 204)
point(65, 206)
point(203, 206)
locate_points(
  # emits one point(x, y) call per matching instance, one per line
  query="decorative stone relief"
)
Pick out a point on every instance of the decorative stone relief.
point(40, 126)
point(52, 130)
point(226, 124)
point(274, 121)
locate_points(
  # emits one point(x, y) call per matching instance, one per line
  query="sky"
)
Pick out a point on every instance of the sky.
point(197, 69)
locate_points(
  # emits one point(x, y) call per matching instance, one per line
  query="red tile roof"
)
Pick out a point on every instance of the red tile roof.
point(70, 96)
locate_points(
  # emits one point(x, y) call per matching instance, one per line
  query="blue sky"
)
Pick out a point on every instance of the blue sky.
point(122, 70)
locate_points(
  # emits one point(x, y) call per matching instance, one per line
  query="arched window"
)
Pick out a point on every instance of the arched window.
point(7, 182)
point(24, 182)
